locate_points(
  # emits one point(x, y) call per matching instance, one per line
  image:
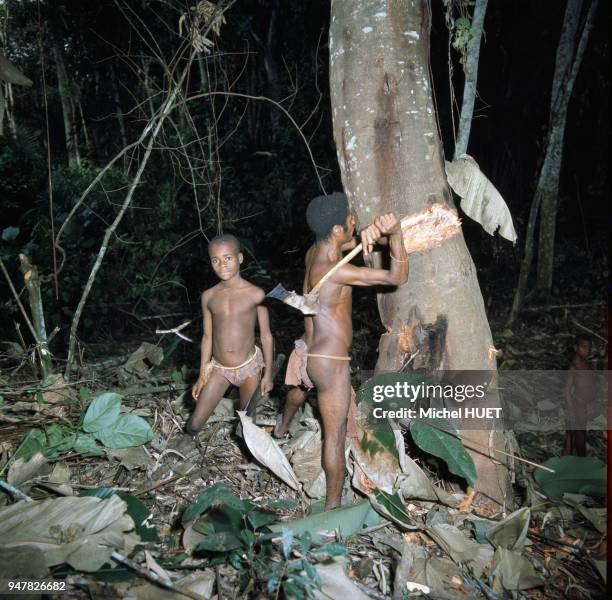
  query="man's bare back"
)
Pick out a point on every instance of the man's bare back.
point(328, 355)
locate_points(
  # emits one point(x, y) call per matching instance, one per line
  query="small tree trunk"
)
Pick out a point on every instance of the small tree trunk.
point(2, 108)
point(203, 73)
point(271, 68)
point(391, 159)
point(566, 70)
point(88, 141)
point(32, 283)
point(471, 78)
point(547, 188)
point(68, 112)
point(118, 109)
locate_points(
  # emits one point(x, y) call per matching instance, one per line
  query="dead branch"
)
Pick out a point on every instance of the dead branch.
point(151, 130)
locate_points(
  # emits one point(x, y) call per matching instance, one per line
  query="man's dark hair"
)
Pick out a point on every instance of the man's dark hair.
point(324, 212)
point(225, 238)
point(583, 337)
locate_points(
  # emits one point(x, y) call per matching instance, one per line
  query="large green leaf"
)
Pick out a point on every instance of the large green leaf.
point(392, 507)
point(86, 443)
point(575, 474)
point(102, 413)
point(220, 542)
point(135, 508)
point(32, 442)
point(128, 430)
point(435, 440)
point(379, 434)
point(222, 518)
point(260, 518)
point(347, 519)
point(60, 439)
point(213, 494)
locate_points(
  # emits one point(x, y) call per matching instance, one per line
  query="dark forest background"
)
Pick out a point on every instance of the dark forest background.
point(240, 166)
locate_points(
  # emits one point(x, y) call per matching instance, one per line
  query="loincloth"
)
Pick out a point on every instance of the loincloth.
point(330, 356)
point(296, 366)
point(239, 374)
point(298, 375)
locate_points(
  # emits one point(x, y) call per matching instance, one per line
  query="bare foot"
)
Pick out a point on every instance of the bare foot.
point(279, 431)
point(183, 443)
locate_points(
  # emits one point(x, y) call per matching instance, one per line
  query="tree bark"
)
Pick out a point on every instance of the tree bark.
point(32, 283)
point(117, 102)
point(567, 65)
point(391, 159)
point(68, 112)
point(271, 68)
point(471, 78)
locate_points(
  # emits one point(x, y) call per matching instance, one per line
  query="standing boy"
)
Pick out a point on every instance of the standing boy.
point(328, 353)
point(229, 354)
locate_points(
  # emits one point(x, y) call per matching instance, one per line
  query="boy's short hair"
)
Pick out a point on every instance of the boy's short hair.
point(583, 337)
point(324, 212)
point(225, 238)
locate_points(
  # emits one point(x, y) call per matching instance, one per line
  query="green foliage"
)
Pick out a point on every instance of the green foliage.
point(439, 439)
point(102, 412)
point(128, 430)
point(135, 508)
point(461, 26)
point(237, 534)
point(461, 33)
point(102, 420)
point(572, 474)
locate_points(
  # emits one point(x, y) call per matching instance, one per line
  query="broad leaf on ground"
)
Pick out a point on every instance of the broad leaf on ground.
point(414, 483)
point(85, 443)
point(433, 438)
point(128, 430)
point(267, 451)
point(209, 496)
point(220, 542)
point(102, 413)
point(513, 572)
point(575, 474)
point(347, 519)
point(511, 533)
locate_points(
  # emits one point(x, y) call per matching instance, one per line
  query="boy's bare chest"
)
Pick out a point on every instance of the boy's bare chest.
point(228, 305)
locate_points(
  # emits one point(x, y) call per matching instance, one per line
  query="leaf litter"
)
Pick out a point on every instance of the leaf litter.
point(223, 523)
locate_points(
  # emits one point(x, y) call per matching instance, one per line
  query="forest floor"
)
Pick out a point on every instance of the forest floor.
point(560, 546)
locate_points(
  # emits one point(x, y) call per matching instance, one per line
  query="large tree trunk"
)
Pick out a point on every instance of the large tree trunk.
point(471, 78)
point(68, 112)
point(566, 69)
point(390, 158)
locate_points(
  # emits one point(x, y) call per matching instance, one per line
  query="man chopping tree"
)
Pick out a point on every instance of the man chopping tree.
point(331, 221)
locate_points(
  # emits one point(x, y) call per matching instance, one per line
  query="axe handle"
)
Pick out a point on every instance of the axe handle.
point(354, 252)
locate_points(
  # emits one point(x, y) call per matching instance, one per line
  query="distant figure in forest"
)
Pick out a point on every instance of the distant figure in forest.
point(328, 343)
point(229, 356)
point(579, 396)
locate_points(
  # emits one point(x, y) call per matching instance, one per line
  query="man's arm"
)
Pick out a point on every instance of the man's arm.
point(349, 245)
point(267, 342)
point(397, 274)
point(205, 347)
